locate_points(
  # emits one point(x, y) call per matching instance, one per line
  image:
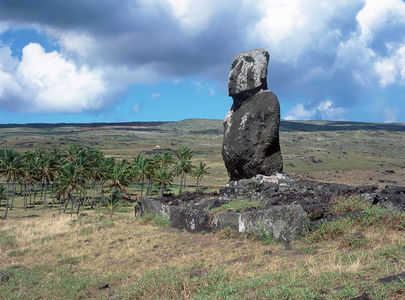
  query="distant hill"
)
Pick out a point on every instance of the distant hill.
point(213, 126)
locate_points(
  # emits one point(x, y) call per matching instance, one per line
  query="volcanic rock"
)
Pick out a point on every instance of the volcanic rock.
point(251, 128)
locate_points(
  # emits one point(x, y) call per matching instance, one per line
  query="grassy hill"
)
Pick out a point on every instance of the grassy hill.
point(52, 256)
point(345, 152)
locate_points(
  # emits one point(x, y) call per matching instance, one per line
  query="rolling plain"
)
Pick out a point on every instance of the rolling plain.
point(94, 257)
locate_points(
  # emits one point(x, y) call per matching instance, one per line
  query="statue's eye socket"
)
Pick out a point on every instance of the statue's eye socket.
point(234, 64)
point(249, 59)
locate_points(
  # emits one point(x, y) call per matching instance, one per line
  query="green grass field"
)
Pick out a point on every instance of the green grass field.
point(52, 256)
point(344, 152)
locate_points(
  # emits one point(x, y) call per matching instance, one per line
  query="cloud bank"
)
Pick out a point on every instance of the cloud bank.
point(326, 56)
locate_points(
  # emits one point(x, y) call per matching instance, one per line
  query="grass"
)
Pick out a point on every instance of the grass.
point(95, 257)
point(343, 152)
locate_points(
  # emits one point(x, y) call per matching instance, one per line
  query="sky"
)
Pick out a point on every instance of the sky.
point(84, 61)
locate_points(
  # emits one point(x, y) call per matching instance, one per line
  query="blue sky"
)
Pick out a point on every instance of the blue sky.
point(168, 60)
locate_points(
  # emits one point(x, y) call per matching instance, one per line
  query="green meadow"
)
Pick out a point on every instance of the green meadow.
point(99, 255)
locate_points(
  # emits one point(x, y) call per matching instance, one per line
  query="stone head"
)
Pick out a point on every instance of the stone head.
point(248, 72)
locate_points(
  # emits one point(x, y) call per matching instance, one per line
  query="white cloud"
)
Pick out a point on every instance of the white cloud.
point(291, 28)
point(204, 87)
point(80, 43)
point(178, 81)
point(346, 50)
point(138, 108)
point(155, 95)
point(329, 112)
point(300, 113)
point(48, 83)
point(326, 110)
point(392, 68)
point(194, 15)
point(362, 52)
point(8, 86)
point(377, 15)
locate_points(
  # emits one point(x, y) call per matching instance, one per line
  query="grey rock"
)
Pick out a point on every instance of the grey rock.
point(394, 189)
point(158, 208)
point(248, 72)
point(251, 129)
point(227, 219)
point(394, 202)
point(104, 286)
point(389, 279)
point(189, 219)
point(260, 183)
point(209, 203)
point(363, 296)
point(285, 223)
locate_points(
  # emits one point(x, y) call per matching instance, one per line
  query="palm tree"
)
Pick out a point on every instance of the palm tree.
point(10, 168)
point(57, 156)
point(134, 170)
point(28, 174)
point(113, 201)
point(163, 177)
point(72, 153)
point(144, 169)
point(184, 153)
point(27, 178)
point(69, 181)
point(120, 176)
point(48, 170)
point(182, 168)
point(2, 192)
point(36, 170)
point(106, 167)
point(165, 160)
point(200, 172)
point(95, 175)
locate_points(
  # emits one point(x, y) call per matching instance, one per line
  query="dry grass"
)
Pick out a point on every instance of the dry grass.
point(125, 250)
point(69, 258)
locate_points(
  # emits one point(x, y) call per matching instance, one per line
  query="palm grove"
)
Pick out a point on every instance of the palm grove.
point(79, 176)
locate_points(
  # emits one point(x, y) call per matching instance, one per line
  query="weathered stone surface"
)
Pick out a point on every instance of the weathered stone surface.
point(248, 72)
point(158, 208)
point(192, 220)
point(394, 202)
point(189, 219)
point(226, 219)
point(251, 128)
point(287, 206)
point(207, 204)
point(257, 184)
point(389, 279)
point(285, 223)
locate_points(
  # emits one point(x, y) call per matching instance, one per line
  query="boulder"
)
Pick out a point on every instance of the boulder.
point(394, 202)
point(251, 128)
point(191, 220)
point(285, 222)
